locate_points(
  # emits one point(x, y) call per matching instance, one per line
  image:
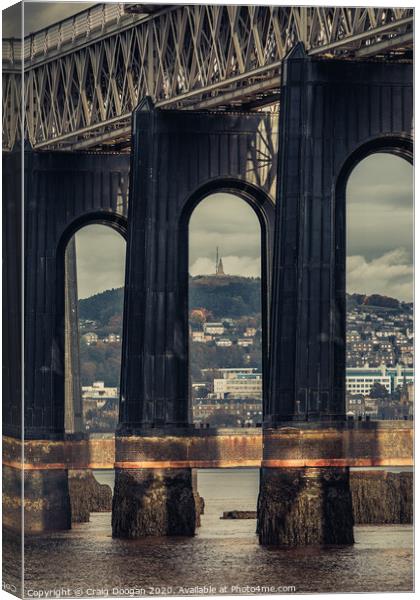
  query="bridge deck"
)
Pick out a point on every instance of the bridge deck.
point(85, 75)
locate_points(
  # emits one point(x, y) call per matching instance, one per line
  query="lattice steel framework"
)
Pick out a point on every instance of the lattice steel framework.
point(84, 76)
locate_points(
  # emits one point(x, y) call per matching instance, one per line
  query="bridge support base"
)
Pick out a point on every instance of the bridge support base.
point(153, 502)
point(46, 502)
point(305, 506)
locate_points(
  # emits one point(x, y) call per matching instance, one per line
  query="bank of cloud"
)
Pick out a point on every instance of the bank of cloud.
point(390, 274)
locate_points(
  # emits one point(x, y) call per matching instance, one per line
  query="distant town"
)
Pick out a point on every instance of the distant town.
point(226, 354)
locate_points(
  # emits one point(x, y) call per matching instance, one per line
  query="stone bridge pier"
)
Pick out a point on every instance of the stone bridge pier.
point(62, 193)
point(178, 158)
point(332, 115)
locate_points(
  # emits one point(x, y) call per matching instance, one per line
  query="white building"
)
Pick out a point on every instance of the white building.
point(353, 336)
point(245, 342)
point(198, 336)
point(214, 328)
point(250, 332)
point(232, 372)
point(224, 342)
point(98, 391)
point(241, 385)
point(90, 338)
point(361, 380)
point(113, 338)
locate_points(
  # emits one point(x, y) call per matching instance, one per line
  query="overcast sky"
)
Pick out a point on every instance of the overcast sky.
point(379, 236)
point(226, 222)
point(379, 218)
point(380, 227)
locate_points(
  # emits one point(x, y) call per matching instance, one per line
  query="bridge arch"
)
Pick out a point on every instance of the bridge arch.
point(399, 145)
point(264, 209)
point(98, 217)
point(255, 197)
point(67, 356)
point(396, 144)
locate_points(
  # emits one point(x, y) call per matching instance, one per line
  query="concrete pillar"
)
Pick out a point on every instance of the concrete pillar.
point(47, 501)
point(328, 122)
point(304, 506)
point(153, 502)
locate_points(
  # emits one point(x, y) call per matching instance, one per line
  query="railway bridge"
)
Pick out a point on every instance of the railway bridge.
point(132, 114)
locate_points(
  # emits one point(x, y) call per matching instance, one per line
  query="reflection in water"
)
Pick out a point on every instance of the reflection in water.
point(223, 553)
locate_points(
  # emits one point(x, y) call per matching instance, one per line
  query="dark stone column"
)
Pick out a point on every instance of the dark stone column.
point(178, 158)
point(153, 502)
point(300, 506)
point(62, 193)
point(333, 114)
point(12, 308)
point(47, 501)
point(155, 374)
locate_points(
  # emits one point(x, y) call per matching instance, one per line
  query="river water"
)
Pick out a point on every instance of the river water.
point(223, 558)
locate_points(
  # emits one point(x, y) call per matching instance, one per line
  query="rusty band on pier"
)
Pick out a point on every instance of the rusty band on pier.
point(371, 444)
point(346, 444)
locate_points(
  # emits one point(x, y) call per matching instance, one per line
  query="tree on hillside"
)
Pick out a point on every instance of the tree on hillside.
point(100, 362)
point(378, 391)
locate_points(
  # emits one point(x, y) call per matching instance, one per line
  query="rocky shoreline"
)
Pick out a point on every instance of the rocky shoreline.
point(87, 495)
point(378, 498)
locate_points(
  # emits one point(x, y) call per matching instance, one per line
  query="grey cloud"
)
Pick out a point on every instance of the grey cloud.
point(372, 232)
point(380, 227)
point(390, 274)
point(100, 255)
point(227, 222)
point(380, 207)
point(380, 240)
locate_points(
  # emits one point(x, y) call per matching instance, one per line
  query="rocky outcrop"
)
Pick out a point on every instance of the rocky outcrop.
point(199, 508)
point(380, 497)
point(153, 502)
point(239, 514)
point(87, 495)
point(304, 506)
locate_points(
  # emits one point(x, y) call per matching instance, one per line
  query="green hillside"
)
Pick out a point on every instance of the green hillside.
point(223, 296)
point(102, 307)
point(226, 296)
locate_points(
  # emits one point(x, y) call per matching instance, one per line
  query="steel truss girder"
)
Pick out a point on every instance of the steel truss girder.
point(183, 57)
